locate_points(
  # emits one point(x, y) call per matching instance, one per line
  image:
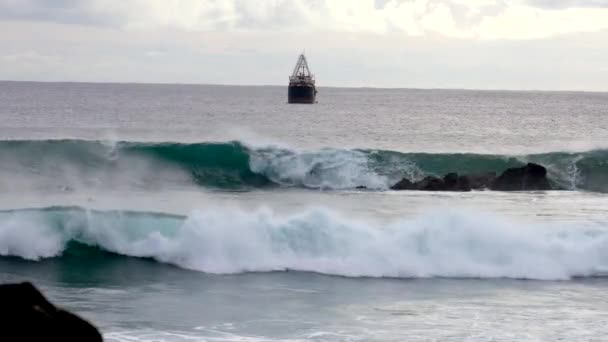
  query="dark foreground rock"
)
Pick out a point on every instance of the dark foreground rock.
point(526, 178)
point(26, 315)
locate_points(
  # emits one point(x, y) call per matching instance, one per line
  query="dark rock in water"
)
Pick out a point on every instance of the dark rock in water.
point(482, 180)
point(430, 183)
point(404, 184)
point(464, 184)
point(529, 177)
point(26, 315)
point(451, 181)
point(454, 182)
point(361, 187)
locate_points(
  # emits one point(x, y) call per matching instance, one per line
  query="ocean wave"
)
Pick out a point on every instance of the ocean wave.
point(229, 240)
point(70, 164)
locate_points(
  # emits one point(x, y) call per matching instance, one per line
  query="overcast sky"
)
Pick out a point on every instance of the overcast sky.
point(482, 44)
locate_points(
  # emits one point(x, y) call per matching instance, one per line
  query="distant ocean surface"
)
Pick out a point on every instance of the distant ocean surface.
point(221, 213)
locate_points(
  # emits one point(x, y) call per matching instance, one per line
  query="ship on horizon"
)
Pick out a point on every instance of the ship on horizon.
point(301, 83)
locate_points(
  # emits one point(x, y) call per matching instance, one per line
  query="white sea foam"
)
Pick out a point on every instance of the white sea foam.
point(207, 336)
point(325, 169)
point(29, 236)
point(229, 240)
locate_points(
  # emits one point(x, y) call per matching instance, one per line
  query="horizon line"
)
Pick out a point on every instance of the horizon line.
point(329, 86)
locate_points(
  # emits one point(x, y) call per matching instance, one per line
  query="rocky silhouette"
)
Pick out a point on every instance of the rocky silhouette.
point(526, 178)
point(26, 315)
point(530, 177)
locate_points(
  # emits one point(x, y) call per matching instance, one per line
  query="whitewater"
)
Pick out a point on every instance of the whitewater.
point(221, 240)
point(239, 165)
point(212, 213)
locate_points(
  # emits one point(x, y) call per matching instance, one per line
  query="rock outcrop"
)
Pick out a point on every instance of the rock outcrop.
point(530, 177)
point(481, 181)
point(526, 178)
point(404, 184)
point(26, 315)
point(451, 182)
point(430, 183)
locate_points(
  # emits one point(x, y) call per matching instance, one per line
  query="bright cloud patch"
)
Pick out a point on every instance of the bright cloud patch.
point(476, 19)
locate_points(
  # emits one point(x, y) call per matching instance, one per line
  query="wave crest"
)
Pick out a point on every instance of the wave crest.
point(220, 240)
point(69, 164)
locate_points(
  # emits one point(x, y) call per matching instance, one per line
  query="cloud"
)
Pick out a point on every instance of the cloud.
point(61, 11)
point(552, 4)
point(471, 19)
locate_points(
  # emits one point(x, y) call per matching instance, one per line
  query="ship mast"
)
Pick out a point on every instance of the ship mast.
point(301, 70)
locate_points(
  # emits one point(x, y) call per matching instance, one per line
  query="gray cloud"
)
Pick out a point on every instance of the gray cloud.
point(60, 11)
point(214, 14)
point(452, 18)
point(553, 4)
point(464, 17)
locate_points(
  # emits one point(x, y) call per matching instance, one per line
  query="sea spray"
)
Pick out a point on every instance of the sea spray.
point(452, 243)
point(323, 169)
point(74, 164)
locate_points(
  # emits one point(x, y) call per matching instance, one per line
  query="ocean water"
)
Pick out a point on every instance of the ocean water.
point(221, 213)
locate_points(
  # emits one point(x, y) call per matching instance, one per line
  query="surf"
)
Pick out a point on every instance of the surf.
point(73, 164)
point(224, 240)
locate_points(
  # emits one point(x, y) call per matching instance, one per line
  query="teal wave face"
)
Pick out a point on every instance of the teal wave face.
point(236, 166)
point(580, 170)
point(222, 165)
point(586, 171)
point(222, 240)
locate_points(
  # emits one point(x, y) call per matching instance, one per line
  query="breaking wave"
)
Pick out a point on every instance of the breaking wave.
point(229, 240)
point(70, 164)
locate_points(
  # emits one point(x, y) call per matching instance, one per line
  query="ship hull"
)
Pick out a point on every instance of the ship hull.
point(301, 94)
